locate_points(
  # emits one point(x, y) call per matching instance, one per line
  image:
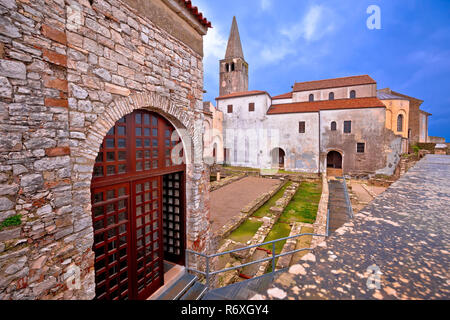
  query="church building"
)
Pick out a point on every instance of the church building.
point(335, 124)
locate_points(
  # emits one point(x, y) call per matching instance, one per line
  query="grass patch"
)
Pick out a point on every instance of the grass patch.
point(303, 206)
point(279, 230)
point(246, 231)
point(12, 221)
point(265, 208)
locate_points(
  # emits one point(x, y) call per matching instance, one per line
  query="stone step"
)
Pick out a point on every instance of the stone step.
point(179, 287)
point(196, 292)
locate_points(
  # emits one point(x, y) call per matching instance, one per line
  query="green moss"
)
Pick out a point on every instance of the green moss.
point(263, 211)
point(12, 221)
point(279, 230)
point(246, 231)
point(303, 206)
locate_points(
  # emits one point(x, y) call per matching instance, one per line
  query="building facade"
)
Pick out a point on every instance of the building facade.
point(320, 125)
point(101, 162)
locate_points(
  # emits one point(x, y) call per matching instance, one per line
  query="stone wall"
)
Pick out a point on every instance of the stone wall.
point(68, 72)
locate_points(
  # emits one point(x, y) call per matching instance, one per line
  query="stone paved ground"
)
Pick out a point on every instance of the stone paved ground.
point(228, 201)
point(404, 232)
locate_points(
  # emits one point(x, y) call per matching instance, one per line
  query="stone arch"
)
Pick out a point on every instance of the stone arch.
point(125, 105)
point(197, 224)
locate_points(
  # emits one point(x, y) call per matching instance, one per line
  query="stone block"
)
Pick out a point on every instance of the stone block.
point(55, 58)
point(10, 234)
point(13, 69)
point(54, 34)
point(111, 88)
point(57, 152)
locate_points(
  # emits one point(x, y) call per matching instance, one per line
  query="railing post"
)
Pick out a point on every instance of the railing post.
point(273, 257)
point(207, 273)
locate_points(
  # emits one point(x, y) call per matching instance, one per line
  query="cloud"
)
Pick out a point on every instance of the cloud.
point(317, 22)
point(313, 26)
point(265, 4)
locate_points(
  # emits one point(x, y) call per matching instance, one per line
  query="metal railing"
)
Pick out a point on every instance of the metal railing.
point(208, 273)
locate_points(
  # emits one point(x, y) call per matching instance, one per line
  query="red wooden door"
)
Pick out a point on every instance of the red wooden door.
point(127, 206)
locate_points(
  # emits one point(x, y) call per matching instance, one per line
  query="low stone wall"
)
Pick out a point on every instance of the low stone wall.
point(320, 226)
point(224, 182)
point(285, 261)
point(246, 212)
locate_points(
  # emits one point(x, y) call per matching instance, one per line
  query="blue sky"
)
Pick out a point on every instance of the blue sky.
point(302, 40)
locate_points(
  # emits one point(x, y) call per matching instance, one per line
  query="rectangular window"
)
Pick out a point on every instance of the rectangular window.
point(230, 108)
point(361, 147)
point(347, 127)
point(251, 107)
point(301, 127)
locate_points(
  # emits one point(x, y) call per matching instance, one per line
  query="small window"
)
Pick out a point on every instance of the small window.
point(232, 66)
point(347, 127)
point(360, 147)
point(301, 127)
point(400, 123)
point(311, 98)
point(230, 108)
point(251, 107)
point(227, 67)
point(331, 96)
point(352, 94)
point(333, 126)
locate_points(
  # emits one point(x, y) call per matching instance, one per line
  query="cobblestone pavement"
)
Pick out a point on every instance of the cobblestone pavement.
point(228, 201)
point(404, 232)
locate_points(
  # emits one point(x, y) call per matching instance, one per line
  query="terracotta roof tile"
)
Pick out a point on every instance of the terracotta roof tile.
point(283, 96)
point(316, 106)
point(333, 83)
point(196, 13)
point(242, 94)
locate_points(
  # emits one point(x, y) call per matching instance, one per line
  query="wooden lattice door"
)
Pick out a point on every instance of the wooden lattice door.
point(127, 205)
point(173, 213)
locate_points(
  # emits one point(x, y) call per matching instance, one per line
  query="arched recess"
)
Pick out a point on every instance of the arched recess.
point(278, 158)
point(197, 224)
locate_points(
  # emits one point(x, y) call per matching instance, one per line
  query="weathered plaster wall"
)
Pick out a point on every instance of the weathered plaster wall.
point(363, 91)
point(244, 130)
point(302, 149)
point(368, 126)
point(423, 127)
point(69, 71)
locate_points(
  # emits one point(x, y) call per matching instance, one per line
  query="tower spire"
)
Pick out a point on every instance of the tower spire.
point(234, 48)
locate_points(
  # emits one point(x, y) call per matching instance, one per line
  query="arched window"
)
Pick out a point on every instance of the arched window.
point(352, 94)
point(333, 126)
point(400, 123)
point(227, 67)
point(331, 96)
point(311, 98)
point(232, 66)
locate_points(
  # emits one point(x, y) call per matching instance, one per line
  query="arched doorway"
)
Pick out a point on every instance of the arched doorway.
point(334, 160)
point(278, 156)
point(138, 206)
point(334, 164)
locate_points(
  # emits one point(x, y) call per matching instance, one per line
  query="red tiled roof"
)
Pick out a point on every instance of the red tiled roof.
point(333, 83)
point(242, 94)
point(283, 96)
point(316, 106)
point(196, 13)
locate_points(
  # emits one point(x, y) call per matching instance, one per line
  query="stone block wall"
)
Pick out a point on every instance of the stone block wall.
point(68, 71)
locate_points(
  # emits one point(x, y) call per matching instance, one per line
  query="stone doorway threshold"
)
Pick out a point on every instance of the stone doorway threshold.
point(172, 273)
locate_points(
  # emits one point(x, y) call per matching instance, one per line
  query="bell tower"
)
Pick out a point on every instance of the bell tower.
point(234, 68)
